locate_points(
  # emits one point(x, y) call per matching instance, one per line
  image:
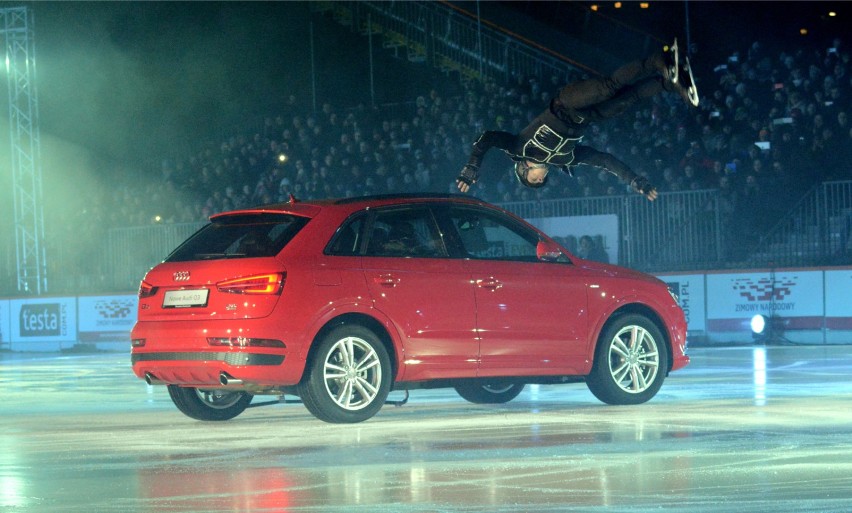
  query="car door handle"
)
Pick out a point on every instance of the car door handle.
point(489, 283)
point(387, 280)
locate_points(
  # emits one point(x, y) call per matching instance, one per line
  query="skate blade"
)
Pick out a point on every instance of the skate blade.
point(674, 69)
point(692, 90)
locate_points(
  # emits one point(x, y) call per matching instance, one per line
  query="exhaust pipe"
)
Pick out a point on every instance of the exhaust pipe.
point(152, 380)
point(227, 380)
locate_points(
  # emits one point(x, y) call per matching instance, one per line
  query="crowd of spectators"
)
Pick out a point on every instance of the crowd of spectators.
point(771, 123)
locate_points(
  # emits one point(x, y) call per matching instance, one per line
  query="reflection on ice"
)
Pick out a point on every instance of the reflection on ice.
point(227, 489)
point(759, 358)
point(745, 429)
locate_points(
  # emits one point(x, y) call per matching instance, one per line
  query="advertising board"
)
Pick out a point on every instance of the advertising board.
point(838, 306)
point(690, 291)
point(5, 325)
point(794, 298)
point(106, 318)
point(43, 323)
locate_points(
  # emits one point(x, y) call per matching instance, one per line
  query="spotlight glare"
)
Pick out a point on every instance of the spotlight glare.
point(594, 7)
point(803, 31)
point(282, 158)
point(758, 324)
point(618, 5)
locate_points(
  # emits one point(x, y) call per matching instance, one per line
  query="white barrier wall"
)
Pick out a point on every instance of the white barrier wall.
point(5, 325)
point(57, 323)
point(838, 306)
point(43, 323)
point(811, 306)
point(104, 319)
point(691, 293)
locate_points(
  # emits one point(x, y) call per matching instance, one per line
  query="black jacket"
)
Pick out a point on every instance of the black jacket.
point(553, 137)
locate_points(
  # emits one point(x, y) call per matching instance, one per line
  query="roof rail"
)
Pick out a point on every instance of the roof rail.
point(406, 195)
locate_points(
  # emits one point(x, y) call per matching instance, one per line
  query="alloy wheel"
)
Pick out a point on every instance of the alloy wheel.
point(633, 359)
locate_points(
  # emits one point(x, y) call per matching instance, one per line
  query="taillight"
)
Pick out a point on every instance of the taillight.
point(146, 289)
point(268, 284)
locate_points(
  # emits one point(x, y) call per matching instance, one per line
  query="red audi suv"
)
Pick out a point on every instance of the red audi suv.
point(341, 301)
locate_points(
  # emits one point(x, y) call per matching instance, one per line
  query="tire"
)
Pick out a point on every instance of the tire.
point(631, 359)
point(493, 392)
point(348, 376)
point(209, 404)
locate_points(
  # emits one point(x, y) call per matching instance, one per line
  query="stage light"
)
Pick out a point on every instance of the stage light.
point(618, 5)
point(758, 325)
point(832, 14)
point(643, 5)
point(803, 31)
point(282, 158)
point(594, 7)
point(768, 329)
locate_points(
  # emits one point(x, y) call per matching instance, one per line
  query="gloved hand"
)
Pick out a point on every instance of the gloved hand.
point(468, 176)
point(641, 185)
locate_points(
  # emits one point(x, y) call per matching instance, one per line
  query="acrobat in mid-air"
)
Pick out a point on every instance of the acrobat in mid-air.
point(553, 137)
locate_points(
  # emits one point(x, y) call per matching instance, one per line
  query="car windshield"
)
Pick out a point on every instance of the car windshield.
point(243, 236)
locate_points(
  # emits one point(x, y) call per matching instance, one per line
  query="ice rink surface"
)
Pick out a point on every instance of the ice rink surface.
point(756, 429)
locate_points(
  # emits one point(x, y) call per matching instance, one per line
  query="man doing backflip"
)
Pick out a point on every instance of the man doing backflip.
point(552, 138)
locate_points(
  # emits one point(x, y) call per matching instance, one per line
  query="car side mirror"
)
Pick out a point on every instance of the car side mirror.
point(547, 251)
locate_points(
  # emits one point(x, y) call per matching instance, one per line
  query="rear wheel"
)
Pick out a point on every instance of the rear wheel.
point(493, 392)
point(348, 377)
point(212, 404)
point(630, 361)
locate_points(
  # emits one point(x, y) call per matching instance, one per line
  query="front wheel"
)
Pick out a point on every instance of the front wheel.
point(493, 392)
point(213, 404)
point(630, 361)
point(348, 376)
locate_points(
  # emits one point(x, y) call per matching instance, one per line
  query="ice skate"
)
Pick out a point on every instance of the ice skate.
point(687, 84)
point(671, 62)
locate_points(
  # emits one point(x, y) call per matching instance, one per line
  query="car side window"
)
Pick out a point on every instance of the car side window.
point(405, 232)
point(488, 236)
point(347, 239)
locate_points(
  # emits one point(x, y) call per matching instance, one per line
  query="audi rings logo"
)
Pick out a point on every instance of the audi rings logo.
point(181, 276)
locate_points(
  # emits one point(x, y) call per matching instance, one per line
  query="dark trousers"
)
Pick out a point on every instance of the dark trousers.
point(601, 98)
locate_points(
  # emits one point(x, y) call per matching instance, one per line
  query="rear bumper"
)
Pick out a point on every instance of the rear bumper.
point(229, 358)
point(178, 353)
point(203, 368)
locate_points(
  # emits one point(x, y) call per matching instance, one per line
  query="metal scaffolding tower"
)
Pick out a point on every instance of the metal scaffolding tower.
point(16, 27)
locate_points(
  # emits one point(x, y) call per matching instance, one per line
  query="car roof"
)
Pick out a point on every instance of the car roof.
point(311, 208)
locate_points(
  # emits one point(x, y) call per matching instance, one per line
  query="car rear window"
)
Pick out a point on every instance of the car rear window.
point(243, 236)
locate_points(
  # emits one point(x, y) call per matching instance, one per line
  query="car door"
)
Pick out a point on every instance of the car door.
point(428, 296)
point(531, 314)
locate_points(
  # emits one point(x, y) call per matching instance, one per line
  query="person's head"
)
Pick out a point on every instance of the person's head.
point(531, 173)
